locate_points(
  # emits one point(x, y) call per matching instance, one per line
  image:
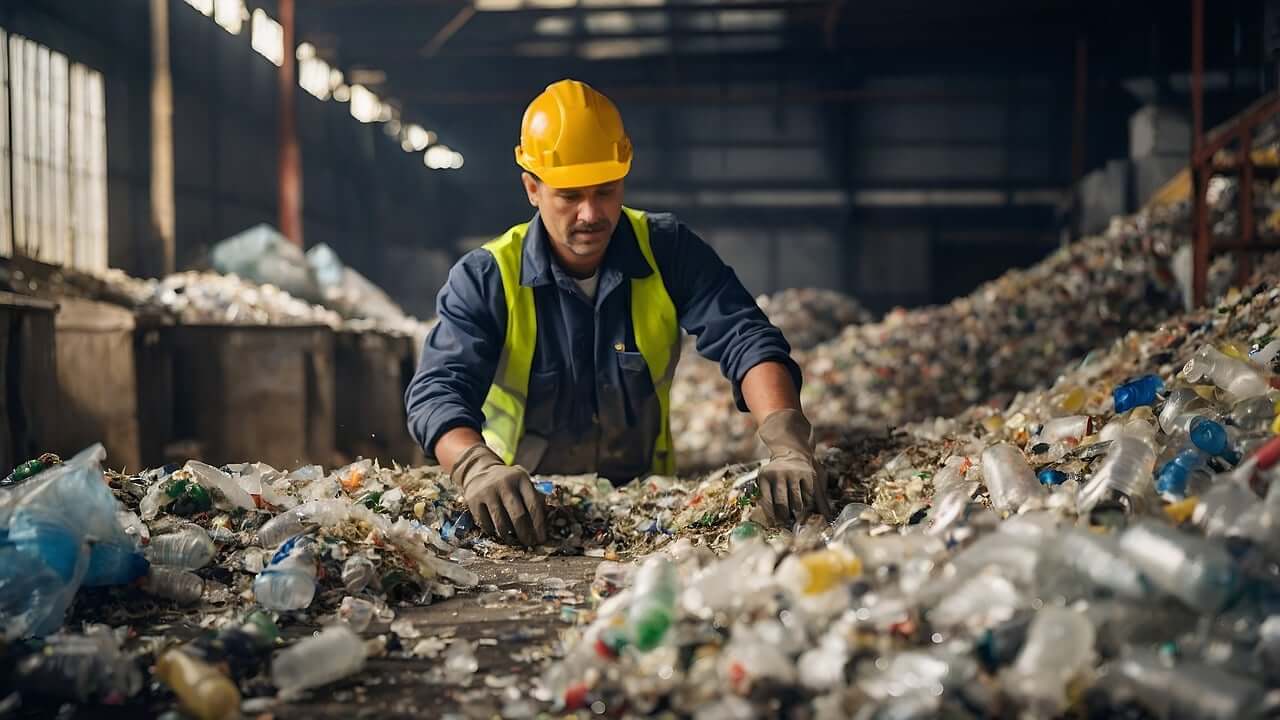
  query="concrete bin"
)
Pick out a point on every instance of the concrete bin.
point(373, 369)
point(96, 382)
point(29, 403)
point(251, 393)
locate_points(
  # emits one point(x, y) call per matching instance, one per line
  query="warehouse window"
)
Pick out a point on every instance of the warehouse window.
point(56, 161)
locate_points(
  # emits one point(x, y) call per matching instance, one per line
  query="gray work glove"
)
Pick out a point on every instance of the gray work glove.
point(792, 484)
point(501, 497)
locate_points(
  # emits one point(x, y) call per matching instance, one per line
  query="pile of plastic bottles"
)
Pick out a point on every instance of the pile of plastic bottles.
point(1108, 546)
point(216, 545)
point(1004, 337)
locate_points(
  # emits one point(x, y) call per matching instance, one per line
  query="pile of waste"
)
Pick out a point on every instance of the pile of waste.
point(809, 316)
point(1108, 546)
point(206, 298)
point(1004, 337)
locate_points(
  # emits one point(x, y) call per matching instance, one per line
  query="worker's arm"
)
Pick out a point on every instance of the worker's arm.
point(753, 355)
point(450, 446)
point(767, 388)
point(445, 402)
point(460, 355)
point(713, 305)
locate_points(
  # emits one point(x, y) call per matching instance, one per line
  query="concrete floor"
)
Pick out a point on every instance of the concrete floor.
point(394, 687)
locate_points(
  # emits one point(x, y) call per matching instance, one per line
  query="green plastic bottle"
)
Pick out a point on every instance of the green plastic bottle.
point(652, 603)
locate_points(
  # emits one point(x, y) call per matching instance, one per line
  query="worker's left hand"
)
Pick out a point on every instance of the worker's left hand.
point(792, 484)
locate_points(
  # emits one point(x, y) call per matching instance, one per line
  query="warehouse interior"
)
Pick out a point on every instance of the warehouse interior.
point(1022, 253)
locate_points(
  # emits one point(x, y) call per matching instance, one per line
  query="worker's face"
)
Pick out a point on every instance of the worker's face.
point(580, 221)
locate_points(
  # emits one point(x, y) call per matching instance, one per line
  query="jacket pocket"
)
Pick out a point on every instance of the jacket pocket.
point(544, 402)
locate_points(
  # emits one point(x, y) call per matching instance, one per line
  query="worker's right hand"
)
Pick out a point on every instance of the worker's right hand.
point(501, 497)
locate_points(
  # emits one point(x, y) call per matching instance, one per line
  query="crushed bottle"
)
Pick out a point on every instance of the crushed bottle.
point(289, 582)
point(333, 654)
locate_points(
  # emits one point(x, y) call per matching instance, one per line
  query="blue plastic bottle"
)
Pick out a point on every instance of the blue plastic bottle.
point(1209, 436)
point(1137, 392)
point(1173, 476)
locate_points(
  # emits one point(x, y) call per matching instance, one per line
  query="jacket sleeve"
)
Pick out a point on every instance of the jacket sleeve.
point(714, 306)
point(461, 352)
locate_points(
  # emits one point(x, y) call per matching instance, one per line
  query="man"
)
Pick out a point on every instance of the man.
point(557, 341)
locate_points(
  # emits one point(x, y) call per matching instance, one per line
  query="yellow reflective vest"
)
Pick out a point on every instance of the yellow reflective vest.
point(654, 322)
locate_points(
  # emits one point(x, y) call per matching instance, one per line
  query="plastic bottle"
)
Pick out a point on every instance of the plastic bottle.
point(1253, 414)
point(357, 573)
point(1264, 355)
point(1008, 477)
point(1209, 436)
point(1179, 407)
point(1077, 564)
point(26, 470)
point(356, 612)
point(1237, 377)
point(180, 586)
point(289, 581)
point(653, 601)
point(1174, 477)
point(1136, 393)
point(817, 572)
point(1185, 690)
point(80, 667)
point(1195, 570)
point(1122, 478)
point(203, 691)
point(1058, 648)
point(1051, 476)
point(332, 655)
point(189, 548)
point(1073, 427)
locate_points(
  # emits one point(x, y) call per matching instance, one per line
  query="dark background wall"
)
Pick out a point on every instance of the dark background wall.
point(378, 206)
point(905, 162)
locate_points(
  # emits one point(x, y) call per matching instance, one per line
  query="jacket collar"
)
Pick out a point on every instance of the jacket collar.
point(539, 267)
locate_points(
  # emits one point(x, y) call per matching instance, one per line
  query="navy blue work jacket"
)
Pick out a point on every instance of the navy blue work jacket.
point(592, 406)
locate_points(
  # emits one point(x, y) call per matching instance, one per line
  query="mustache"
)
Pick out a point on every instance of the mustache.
point(597, 227)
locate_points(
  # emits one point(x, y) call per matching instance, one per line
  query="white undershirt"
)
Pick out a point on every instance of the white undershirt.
point(589, 285)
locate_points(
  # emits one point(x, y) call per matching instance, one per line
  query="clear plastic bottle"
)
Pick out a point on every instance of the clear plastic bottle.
point(1059, 647)
point(1123, 477)
point(1237, 377)
point(332, 655)
point(81, 667)
point(653, 599)
point(1254, 414)
point(289, 582)
point(1182, 404)
point(357, 573)
point(1072, 427)
point(189, 548)
point(1078, 564)
point(180, 586)
point(1185, 690)
point(1008, 477)
point(1197, 571)
point(202, 690)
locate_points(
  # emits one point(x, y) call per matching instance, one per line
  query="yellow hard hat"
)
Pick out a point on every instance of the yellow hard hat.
point(572, 136)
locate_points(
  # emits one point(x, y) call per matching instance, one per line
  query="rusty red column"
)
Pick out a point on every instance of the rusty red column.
point(290, 170)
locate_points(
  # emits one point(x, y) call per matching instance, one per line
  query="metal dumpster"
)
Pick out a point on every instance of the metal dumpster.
point(96, 382)
point(373, 369)
point(29, 403)
point(249, 393)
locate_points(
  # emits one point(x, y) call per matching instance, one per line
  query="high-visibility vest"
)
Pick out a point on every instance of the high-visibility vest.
point(653, 317)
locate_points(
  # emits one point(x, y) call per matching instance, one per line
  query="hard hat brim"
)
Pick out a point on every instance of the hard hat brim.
point(582, 175)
